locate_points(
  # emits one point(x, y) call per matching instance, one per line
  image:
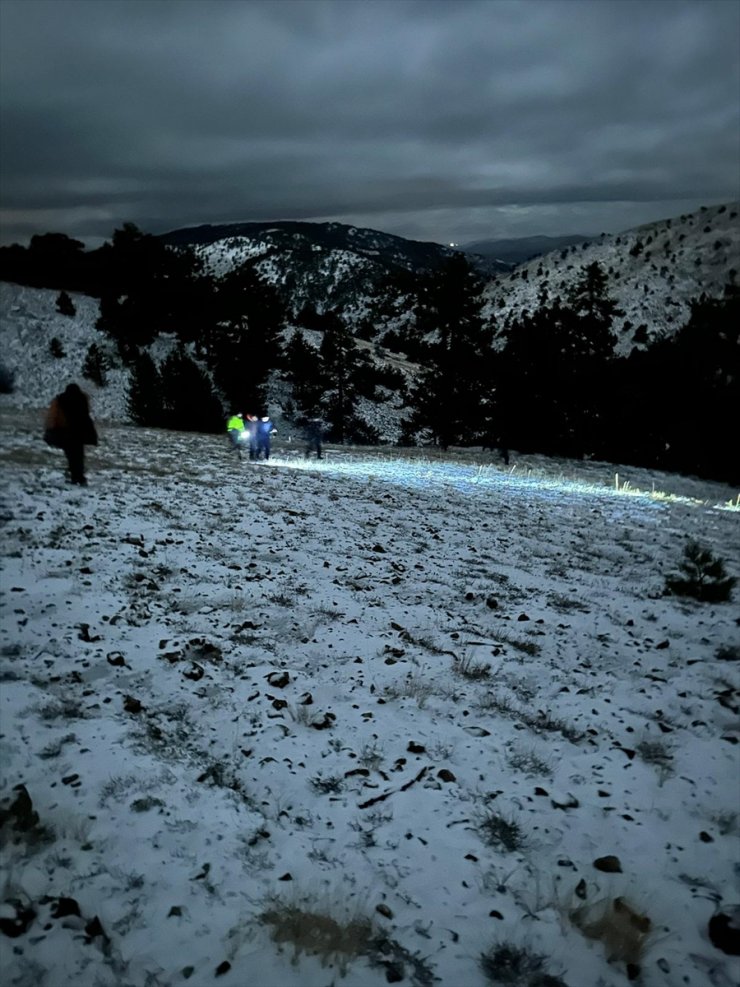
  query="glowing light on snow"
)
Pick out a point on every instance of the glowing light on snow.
point(467, 478)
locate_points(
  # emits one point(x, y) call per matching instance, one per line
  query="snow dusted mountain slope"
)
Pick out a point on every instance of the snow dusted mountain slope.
point(328, 265)
point(654, 271)
point(29, 320)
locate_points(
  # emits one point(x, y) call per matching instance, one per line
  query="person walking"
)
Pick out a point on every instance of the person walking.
point(313, 433)
point(252, 428)
point(265, 429)
point(234, 429)
point(69, 427)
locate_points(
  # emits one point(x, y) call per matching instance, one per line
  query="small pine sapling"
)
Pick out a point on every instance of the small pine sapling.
point(65, 305)
point(701, 576)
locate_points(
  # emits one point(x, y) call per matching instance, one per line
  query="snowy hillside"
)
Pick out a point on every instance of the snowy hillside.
point(358, 722)
point(30, 320)
point(328, 265)
point(653, 272)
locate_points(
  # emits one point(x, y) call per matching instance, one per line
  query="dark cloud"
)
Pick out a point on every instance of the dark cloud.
point(433, 120)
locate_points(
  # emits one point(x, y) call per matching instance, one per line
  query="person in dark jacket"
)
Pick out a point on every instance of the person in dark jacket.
point(313, 432)
point(69, 427)
point(252, 427)
point(265, 428)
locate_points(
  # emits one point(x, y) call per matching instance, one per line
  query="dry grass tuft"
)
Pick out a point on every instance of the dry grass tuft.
point(621, 928)
point(317, 934)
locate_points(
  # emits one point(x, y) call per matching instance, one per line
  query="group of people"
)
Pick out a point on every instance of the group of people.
point(69, 427)
point(254, 433)
point(251, 432)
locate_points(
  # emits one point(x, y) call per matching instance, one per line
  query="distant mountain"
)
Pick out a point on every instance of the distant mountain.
point(327, 265)
point(653, 271)
point(382, 248)
point(505, 254)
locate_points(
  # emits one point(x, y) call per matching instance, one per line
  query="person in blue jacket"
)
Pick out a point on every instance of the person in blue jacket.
point(265, 429)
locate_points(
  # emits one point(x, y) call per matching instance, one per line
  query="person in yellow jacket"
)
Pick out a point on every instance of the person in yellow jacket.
point(234, 429)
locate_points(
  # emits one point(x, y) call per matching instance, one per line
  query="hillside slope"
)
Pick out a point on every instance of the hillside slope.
point(327, 265)
point(654, 272)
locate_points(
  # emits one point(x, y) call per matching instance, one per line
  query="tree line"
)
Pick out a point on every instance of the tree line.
point(548, 382)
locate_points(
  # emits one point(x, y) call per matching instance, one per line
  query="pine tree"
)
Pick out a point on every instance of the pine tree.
point(245, 345)
point(95, 366)
point(187, 396)
point(686, 389)
point(144, 399)
point(303, 369)
point(458, 377)
point(339, 363)
point(65, 305)
point(555, 370)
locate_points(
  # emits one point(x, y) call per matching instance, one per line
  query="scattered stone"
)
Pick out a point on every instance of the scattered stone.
point(492, 603)
point(286, 877)
point(21, 811)
point(116, 659)
point(609, 864)
point(20, 921)
point(564, 802)
point(325, 723)
point(223, 968)
point(705, 837)
point(415, 748)
point(384, 910)
point(522, 617)
point(94, 928)
point(198, 649)
point(444, 774)
point(278, 680)
point(724, 930)
point(195, 673)
point(477, 731)
point(132, 705)
point(495, 913)
point(581, 891)
point(146, 803)
point(64, 907)
point(84, 634)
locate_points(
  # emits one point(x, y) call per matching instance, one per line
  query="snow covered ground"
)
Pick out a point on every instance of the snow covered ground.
point(360, 721)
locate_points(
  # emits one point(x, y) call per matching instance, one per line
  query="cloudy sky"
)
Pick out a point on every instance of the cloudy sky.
point(434, 120)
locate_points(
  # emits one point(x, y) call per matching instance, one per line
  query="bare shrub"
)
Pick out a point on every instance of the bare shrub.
point(516, 966)
point(499, 832)
point(467, 668)
point(529, 763)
